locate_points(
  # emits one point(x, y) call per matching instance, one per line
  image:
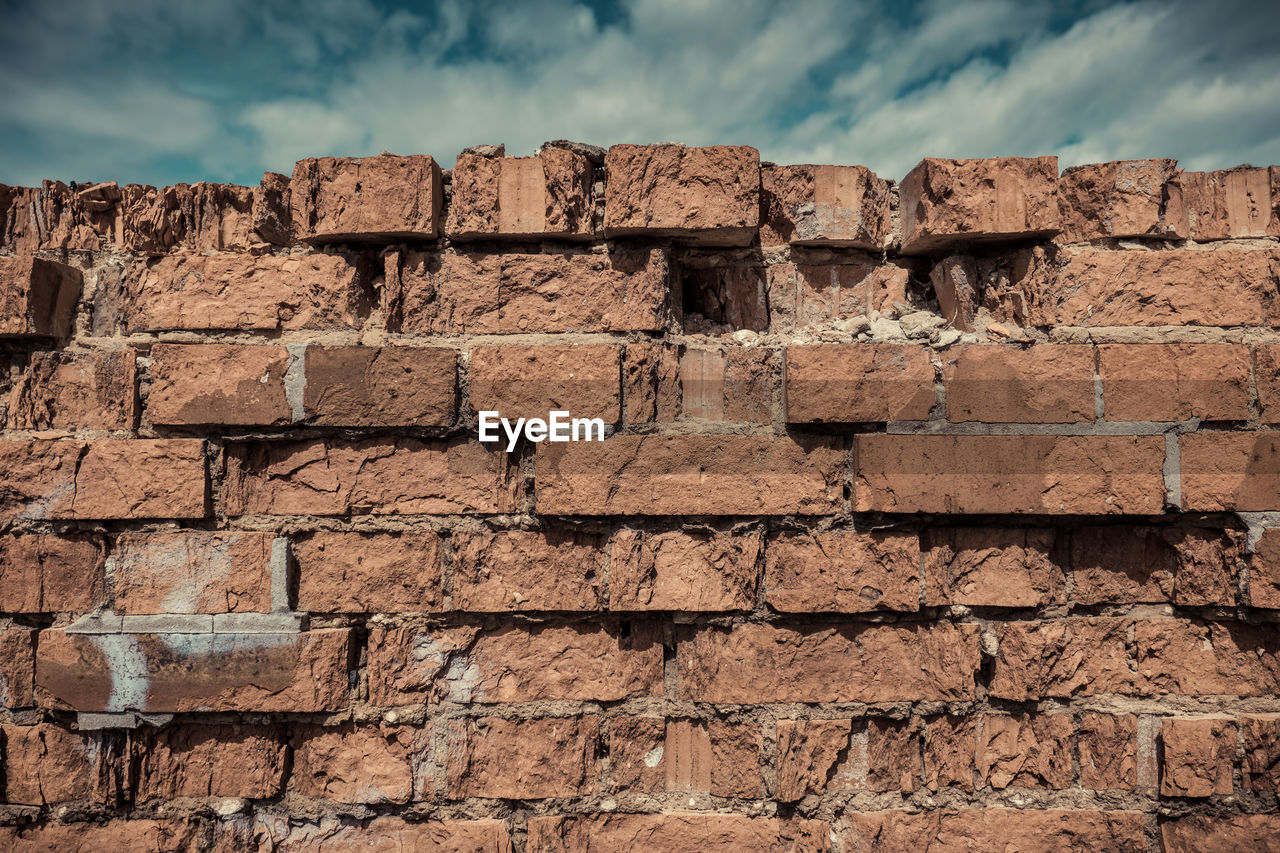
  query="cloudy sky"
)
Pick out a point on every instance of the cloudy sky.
point(161, 91)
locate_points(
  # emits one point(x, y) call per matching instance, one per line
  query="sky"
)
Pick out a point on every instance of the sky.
point(163, 91)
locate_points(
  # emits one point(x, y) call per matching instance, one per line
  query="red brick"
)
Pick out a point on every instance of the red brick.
point(118, 836)
point(1044, 384)
point(652, 383)
point(331, 834)
point(1261, 768)
point(683, 571)
point(753, 663)
point(950, 752)
point(1239, 202)
point(194, 571)
point(378, 476)
point(51, 573)
point(843, 571)
point(544, 196)
point(818, 296)
point(1182, 657)
point(76, 390)
point(353, 572)
point(695, 757)
point(44, 217)
point(1108, 751)
point(512, 570)
point(819, 756)
point(366, 198)
point(272, 218)
point(690, 475)
point(1197, 757)
point(1025, 751)
point(1174, 382)
point(1123, 198)
point(966, 201)
point(1122, 565)
point(584, 662)
point(47, 764)
point(809, 205)
point(719, 298)
point(208, 761)
point(362, 764)
point(668, 383)
point(522, 759)
point(17, 667)
point(637, 752)
point(380, 386)
point(1061, 658)
point(1259, 833)
point(993, 567)
point(142, 478)
point(1045, 830)
point(193, 384)
point(707, 195)
point(676, 832)
point(1264, 571)
point(1093, 475)
point(203, 216)
point(1267, 379)
point(1231, 471)
point(847, 383)
point(808, 753)
point(530, 381)
point(161, 673)
point(37, 298)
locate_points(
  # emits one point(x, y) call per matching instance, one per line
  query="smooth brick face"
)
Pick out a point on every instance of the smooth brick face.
point(1182, 657)
point(192, 572)
point(678, 832)
point(506, 570)
point(351, 572)
point(365, 764)
point(708, 195)
point(46, 763)
point(997, 829)
point(697, 475)
point(208, 761)
point(1205, 834)
point(380, 386)
point(683, 571)
point(847, 383)
point(1239, 202)
point(1045, 384)
point(1062, 658)
point(37, 298)
point(126, 836)
point(370, 198)
point(218, 384)
point(1174, 382)
point(17, 667)
point(381, 833)
point(818, 296)
point(843, 571)
point(1121, 565)
point(810, 205)
point(1015, 567)
point(1237, 471)
point(89, 390)
point(530, 381)
point(1108, 751)
point(547, 195)
point(1123, 198)
point(1010, 474)
point(1197, 757)
point(48, 573)
point(522, 759)
point(1025, 751)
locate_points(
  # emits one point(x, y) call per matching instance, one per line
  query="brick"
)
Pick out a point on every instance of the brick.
point(1239, 202)
point(1174, 382)
point(51, 572)
point(366, 198)
point(1264, 571)
point(1094, 475)
point(37, 298)
point(808, 753)
point(194, 571)
point(652, 383)
point(808, 205)
point(380, 386)
point(330, 834)
point(820, 296)
point(195, 384)
point(353, 572)
point(711, 757)
point(706, 195)
point(945, 202)
point(1048, 830)
point(522, 759)
point(676, 832)
point(44, 217)
point(720, 299)
point(1231, 471)
point(162, 673)
point(208, 761)
point(17, 667)
point(143, 478)
point(119, 836)
point(76, 390)
point(690, 475)
point(530, 381)
point(205, 217)
point(363, 764)
point(515, 570)
point(544, 196)
point(1062, 658)
point(1124, 565)
point(1197, 757)
point(1108, 751)
point(950, 752)
point(752, 663)
point(1227, 834)
point(1267, 379)
point(850, 383)
point(272, 217)
point(1025, 751)
point(637, 750)
point(1260, 770)
point(683, 571)
point(1183, 657)
point(993, 567)
point(1044, 384)
point(46, 764)
point(1123, 198)
point(842, 571)
point(378, 476)
point(583, 662)
point(670, 383)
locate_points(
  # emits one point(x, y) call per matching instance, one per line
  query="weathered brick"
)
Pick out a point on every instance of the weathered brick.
point(1026, 751)
point(51, 572)
point(365, 764)
point(194, 571)
point(46, 217)
point(1264, 571)
point(1122, 565)
point(807, 754)
point(193, 384)
point(1047, 830)
point(205, 217)
point(683, 570)
point(1197, 757)
point(721, 299)
point(1044, 384)
point(333, 835)
point(1231, 471)
point(1239, 202)
point(842, 571)
point(1061, 658)
point(378, 476)
point(505, 570)
point(993, 567)
point(1174, 382)
point(142, 478)
point(667, 383)
point(118, 836)
point(752, 663)
point(707, 195)
point(1123, 198)
point(1190, 659)
point(37, 298)
point(192, 672)
point(846, 383)
point(583, 662)
point(1227, 834)
point(950, 752)
point(207, 761)
point(699, 757)
point(76, 390)
point(1002, 198)
point(695, 474)
point(17, 667)
point(1261, 768)
point(380, 386)
point(1108, 751)
point(354, 572)
point(530, 381)
point(651, 383)
point(544, 196)
point(676, 832)
point(522, 759)
point(1267, 378)
point(637, 751)
point(272, 217)
point(809, 205)
point(366, 198)
point(47, 763)
point(1095, 475)
point(817, 296)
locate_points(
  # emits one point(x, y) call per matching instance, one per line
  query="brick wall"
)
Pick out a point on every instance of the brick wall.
point(933, 514)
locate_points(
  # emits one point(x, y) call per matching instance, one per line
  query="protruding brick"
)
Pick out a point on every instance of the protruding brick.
point(993, 567)
point(684, 571)
point(208, 761)
point(822, 296)
point(272, 218)
point(999, 829)
point(366, 198)
point(1231, 471)
point(46, 217)
point(195, 384)
point(47, 763)
point(1227, 834)
point(512, 570)
point(380, 386)
point(1026, 751)
point(522, 759)
point(1198, 756)
point(1239, 202)
point(1261, 768)
point(334, 835)
point(365, 764)
point(1174, 382)
point(810, 205)
point(353, 572)
point(1108, 751)
point(37, 298)
point(1124, 565)
point(194, 571)
point(707, 195)
point(17, 667)
point(1062, 658)
point(51, 573)
point(676, 832)
point(1219, 658)
point(843, 571)
point(850, 383)
point(1045, 384)
point(76, 390)
point(530, 381)
point(204, 217)
point(544, 196)
point(1123, 198)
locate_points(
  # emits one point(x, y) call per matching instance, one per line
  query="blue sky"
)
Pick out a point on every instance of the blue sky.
point(161, 91)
